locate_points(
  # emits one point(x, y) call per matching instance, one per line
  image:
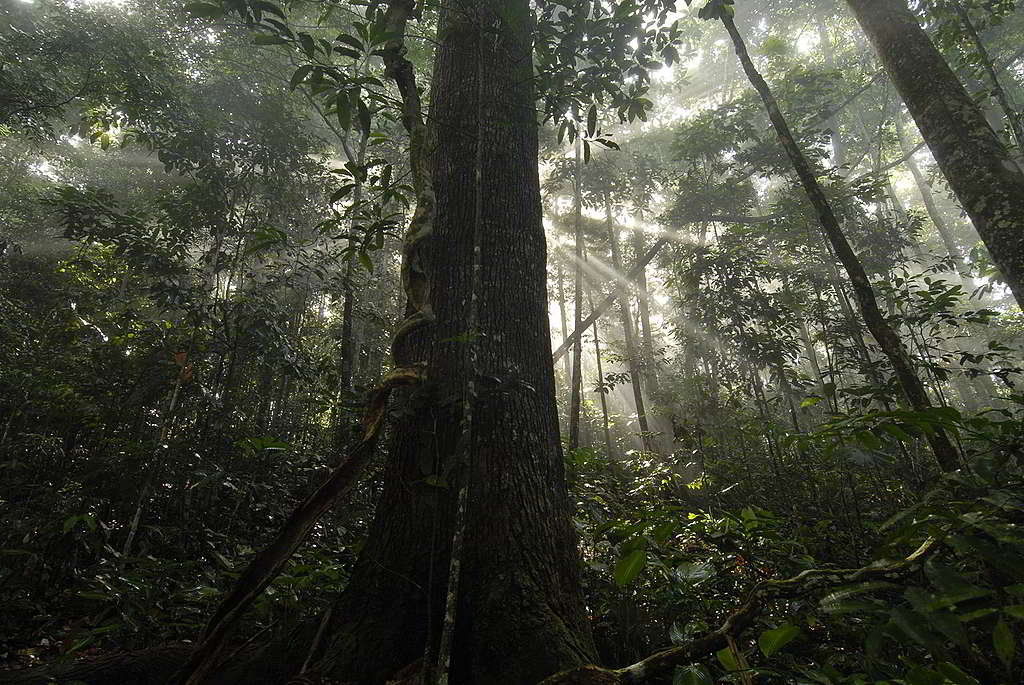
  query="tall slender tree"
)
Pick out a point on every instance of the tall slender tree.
point(576, 380)
point(914, 391)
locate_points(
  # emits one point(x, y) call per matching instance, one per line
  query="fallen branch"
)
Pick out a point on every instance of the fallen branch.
point(803, 583)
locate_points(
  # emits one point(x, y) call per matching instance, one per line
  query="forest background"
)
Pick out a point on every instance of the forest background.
point(202, 230)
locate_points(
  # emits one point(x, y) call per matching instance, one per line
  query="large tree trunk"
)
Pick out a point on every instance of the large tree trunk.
point(978, 167)
point(520, 615)
point(520, 612)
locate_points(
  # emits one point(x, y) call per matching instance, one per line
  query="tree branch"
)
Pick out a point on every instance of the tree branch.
point(801, 584)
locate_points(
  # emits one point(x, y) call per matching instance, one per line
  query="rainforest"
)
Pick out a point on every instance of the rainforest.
point(511, 342)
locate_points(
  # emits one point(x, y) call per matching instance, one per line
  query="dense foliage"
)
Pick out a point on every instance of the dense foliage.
point(200, 247)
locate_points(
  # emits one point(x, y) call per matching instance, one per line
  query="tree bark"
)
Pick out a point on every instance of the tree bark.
point(520, 614)
point(632, 354)
point(978, 167)
point(644, 304)
point(576, 379)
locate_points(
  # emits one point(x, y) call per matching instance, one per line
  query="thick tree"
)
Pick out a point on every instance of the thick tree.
point(517, 614)
point(454, 560)
point(520, 614)
point(979, 168)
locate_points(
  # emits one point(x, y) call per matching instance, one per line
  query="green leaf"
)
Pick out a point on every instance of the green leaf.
point(1015, 610)
point(70, 522)
point(267, 7)
point(205, 10)
point(629, 567)
point(365, 260)
point(1003, 641)
point(868, 439)
point(695, 572)
point(727, 659)
point(344, 106)
point(954, 675)
point(977, 613)
point(897, 432)
point(348, 52)
point(924, 676)
point(912, 624)
point(364, 116)
point(592, 121)
point(771, 641)
point(308, 44)
point(810, 402)
point(300, 75)
point(268, 39)
point(342, 192)
point(351, 40)
point(694, 674)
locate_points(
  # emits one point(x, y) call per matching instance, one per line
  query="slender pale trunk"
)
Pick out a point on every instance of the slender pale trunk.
point(644, 306)
point(1013, 118)
point(563, 319)
point(942, 226)
point(838, 151)
point(627, 331)
point(575, 399)
point(600, 376)
point(812, 359)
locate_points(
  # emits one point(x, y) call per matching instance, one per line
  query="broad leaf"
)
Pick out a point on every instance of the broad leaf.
point(629, 567)
point(727, 659)
point(1004, 642)
point(771, 641)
